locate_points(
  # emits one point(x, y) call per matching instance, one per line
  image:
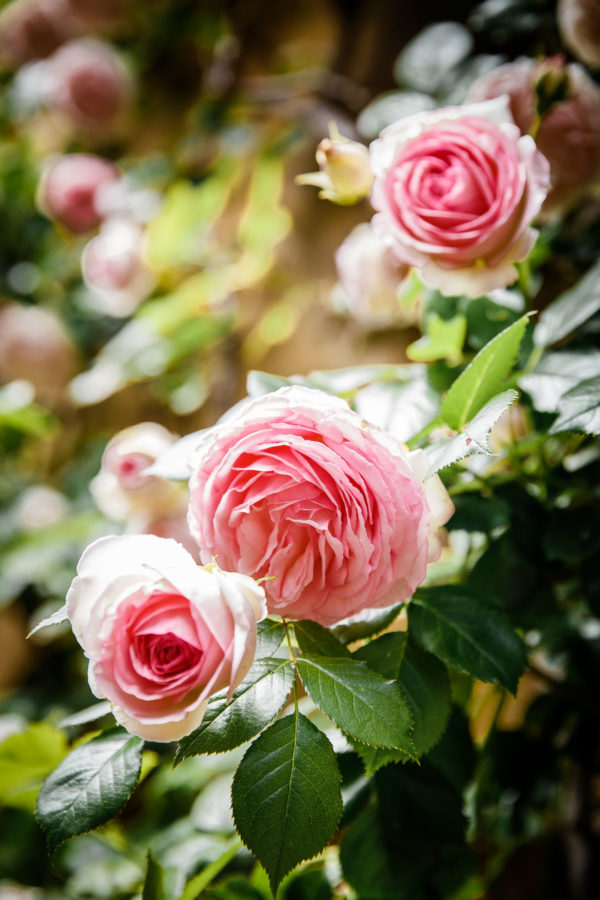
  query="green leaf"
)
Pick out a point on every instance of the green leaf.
point(269, 637)
point(403, 408)
point(483, 377)
point(472, 439)
point(444, 339)
point(154, 882)
point(90, 786)
point(579, 408)
point(255, 702)
point(313, 638)
point(286, 795)
point(363, 704)
point(367, 623)
point(570, 310)
point(453, 624)
point(25, 760)
point(559, 372)
point(385, 654)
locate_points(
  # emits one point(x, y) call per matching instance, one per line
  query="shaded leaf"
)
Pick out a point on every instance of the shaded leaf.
point(313, 638)
point(579, 408)
point(154, 882)
point(366, 623)
point(269, 636)
point(570, 310)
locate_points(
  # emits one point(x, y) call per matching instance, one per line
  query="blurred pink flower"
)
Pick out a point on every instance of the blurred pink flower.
point(70, 189)
point(113, 267)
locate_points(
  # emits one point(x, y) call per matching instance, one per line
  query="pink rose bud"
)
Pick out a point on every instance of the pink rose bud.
point(345, 174)
point(297, 488)
point(33, 29)
point(89, 83)
point(112, 266)
point(34, 346)
point(579, 27)
point(71, 187)
point(123, 488)
point(568, 133)
point(162, 634)
point(372, 279)
point(456, 190)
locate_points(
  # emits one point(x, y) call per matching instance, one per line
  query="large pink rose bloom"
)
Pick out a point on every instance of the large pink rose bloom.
point(296, 487)
point(456, 190)
point(162, 634)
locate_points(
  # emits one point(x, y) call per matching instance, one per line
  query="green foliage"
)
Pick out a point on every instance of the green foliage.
point(484, 377)
point(26, 759)
point(579, 408)
point(456, 625)
point(270, 634)
point(229, 723)
point(286, 795)
point(313, 638)
point(90, 786)
point(443, 339)
point(569, 311)
point(154, 882)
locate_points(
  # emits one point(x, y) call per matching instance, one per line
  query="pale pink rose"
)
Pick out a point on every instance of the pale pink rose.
point(123, 488)
point(456, 190)
point(88, 81)
point(579, 26)
point(162, 634)
point(569, 133)
point(296, 487)
point(113, 267)
point(70, 189)
point(371, 278)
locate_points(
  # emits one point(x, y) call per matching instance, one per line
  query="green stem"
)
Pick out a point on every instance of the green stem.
point(201, 881)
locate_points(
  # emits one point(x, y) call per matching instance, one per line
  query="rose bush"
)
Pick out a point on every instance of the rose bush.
point(456, 190)
point(162, 634)
point(296, 487)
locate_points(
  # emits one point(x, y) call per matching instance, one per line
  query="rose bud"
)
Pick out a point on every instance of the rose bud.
point(296, 488)
point(345, 175)
point(70, 189)
point(32, 29)
point(456, 190)
point(579, 27)
point(89, 83)
point(162, 634)
point(123, 488)
point(372, 279)
point(568, 130)
point(112, 266)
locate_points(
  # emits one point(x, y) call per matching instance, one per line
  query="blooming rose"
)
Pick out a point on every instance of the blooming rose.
point(569, 132)
point(70, 189)
point(579, 26)
point(456, 190)
point(122, 488)
point(296, 487)
point(371, 278)
point(162, 634)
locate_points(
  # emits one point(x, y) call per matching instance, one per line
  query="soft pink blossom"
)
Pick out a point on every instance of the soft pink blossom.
point(456, 190)
point(569, 132)
point(162, 634)
point(296, 487)
point(71, 187)
point(112, 266)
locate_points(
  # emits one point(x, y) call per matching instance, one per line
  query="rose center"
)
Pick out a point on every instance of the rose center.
point(166, 654)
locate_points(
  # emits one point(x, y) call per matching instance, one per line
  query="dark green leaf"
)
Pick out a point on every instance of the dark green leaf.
point(385, 654)
point(366, 624)
point(363, 704)
point(476, 512)
point(570, 310)
point(454, 625)
point(90, 786)
point(313, 638)
point(286, 796)
point(365, 861)
point(154, 882)
point(270, 635)
point(484, 376)
point(579, 408)
point(255, 702)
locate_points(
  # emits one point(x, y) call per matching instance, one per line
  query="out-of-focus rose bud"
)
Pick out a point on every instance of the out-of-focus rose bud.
point(345, 174)
point(34, 347)
point(372, 279)
point(71, 187)
point(568, 133)
point(122, 489)
point(89, 82)
point(32, 29)
point(579, 26)
point(114, 270)
point(39, 507)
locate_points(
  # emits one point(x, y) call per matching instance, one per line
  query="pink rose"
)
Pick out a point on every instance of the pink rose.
point(112, 266)
point(569, 133)
point(70, 189)
point(579, 27)
point(371, 278)
point(456, 190)
point(88, 81)
point(162, 634)
point(296, 487)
